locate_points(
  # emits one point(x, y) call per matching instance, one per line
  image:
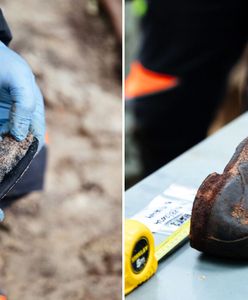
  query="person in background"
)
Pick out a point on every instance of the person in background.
point(21, 112)
point(179, 77)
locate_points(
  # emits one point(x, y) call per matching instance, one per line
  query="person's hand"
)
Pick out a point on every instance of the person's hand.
point(1, 217)
point(21, 102)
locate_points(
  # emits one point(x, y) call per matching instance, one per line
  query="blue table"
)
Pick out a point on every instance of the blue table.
point(188, 274)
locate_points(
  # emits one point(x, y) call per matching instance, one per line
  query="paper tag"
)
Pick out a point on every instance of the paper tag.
point(169, 210)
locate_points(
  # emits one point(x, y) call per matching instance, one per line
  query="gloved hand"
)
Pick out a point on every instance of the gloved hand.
point(1, 219)
point(21, 102)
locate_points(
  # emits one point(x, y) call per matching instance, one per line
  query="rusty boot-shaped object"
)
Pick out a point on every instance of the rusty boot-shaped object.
point(219, 223)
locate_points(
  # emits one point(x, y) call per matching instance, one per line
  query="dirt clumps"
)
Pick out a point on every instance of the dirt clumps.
point(11, 152)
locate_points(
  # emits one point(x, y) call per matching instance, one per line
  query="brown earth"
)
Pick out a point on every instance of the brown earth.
point(65, 243)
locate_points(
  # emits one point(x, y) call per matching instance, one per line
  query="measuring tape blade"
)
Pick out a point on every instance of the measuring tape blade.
point(141, 256)
point(173, 241)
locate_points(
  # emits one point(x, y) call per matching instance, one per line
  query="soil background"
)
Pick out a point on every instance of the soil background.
point(65, 243)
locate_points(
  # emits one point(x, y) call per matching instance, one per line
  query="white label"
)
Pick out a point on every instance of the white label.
point(168, 211)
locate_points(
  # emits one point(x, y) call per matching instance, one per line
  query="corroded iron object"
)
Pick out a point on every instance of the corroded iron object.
point(219, 223)
point(15, 157)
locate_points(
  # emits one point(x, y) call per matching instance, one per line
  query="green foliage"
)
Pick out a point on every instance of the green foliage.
point(139, 7)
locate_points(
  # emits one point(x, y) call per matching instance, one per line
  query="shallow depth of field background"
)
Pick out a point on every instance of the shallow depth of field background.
point(233, 104)
point(65, 243)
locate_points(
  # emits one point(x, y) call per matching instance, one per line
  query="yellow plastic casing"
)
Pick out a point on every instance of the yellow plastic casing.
point(140, 260)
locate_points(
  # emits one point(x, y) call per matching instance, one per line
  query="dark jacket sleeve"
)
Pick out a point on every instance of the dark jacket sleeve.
point(5, 33)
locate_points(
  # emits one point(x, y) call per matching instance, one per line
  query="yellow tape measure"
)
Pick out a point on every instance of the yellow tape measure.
point(141, 255)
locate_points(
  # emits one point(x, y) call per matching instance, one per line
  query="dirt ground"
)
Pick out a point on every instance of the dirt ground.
point(65, 243)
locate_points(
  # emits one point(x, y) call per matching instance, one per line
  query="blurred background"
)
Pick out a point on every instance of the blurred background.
point(142, 18)
point(65, 243)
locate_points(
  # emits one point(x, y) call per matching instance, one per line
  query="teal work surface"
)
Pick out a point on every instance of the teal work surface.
point(188, 274)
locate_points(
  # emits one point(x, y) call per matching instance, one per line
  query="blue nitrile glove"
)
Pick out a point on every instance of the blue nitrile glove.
point(1, 215)
point(21, 102)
